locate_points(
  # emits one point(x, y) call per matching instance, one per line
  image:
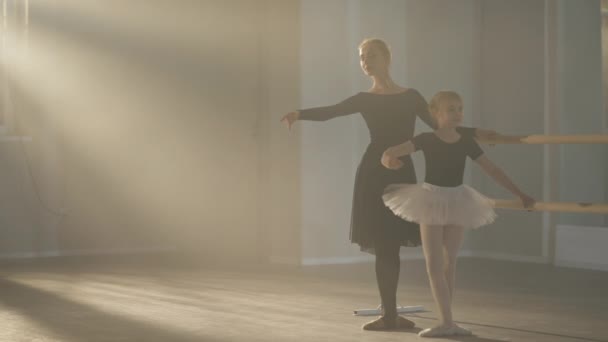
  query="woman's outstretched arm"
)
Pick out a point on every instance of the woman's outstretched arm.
point(349, 106)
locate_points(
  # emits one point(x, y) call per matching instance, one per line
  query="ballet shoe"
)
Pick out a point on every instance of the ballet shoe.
point(437, 331)
point(460, 331)
point(382, 324)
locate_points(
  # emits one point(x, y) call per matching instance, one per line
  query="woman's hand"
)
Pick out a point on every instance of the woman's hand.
point(391, 162)
point(527, 201)
point(290, 118)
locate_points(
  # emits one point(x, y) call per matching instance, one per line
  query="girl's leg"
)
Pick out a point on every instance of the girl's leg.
point(432, 244)
point(452, 240)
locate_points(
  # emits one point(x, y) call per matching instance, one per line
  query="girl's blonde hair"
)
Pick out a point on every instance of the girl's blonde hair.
point(442, 96)
point(378, 44)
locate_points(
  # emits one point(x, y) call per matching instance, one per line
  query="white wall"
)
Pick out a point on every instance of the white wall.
point(328, 148)
point(511, 92)
point(580, 239)
point(583, 168)
point(153, 129)
point(494, 53)
point(491, 51)
point(279, 150)
point(582, 247)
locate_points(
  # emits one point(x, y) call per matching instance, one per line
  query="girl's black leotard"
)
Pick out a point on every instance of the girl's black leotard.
point(445, 161)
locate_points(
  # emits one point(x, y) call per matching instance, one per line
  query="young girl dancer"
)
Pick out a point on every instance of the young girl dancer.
point(442, 205)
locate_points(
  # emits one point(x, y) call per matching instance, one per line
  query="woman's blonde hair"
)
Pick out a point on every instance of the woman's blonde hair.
point(378, 44)
point(442, 96)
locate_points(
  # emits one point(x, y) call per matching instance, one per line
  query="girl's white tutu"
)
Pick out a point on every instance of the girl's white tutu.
point(436, 205)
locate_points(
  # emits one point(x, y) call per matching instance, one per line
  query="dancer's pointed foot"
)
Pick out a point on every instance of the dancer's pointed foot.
point(438, 331)
point(442, 330)
point(404, 323)
point(460, 331)
point(382, 323)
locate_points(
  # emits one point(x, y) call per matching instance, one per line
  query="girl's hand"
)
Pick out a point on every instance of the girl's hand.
point(391, 162)
point(527, 201)
point(290, 118)
point(486, 134)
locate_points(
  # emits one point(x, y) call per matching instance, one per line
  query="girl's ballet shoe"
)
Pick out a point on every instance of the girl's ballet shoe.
point(453, 330)
point(460, 331)
point(438, 331)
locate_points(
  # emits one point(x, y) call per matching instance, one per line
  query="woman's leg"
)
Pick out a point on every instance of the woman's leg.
point(432, 244)
point(387, 276)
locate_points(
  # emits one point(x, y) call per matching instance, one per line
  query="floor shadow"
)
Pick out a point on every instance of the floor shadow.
point(71, 321)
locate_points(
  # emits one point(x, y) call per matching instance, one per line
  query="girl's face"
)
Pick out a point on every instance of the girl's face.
point(373, 62)
point(449, 114)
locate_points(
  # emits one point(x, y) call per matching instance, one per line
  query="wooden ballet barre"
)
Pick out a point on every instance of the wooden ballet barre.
point(572, 207)
point(546, 139)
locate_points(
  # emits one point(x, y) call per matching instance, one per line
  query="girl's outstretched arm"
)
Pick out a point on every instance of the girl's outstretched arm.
point(501, 178)
point(486, 134)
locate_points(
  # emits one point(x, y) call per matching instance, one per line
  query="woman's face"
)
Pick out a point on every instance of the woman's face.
point(450, 113)
point(373, 62)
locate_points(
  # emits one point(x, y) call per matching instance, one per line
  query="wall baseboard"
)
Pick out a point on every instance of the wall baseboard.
point(284, 260)
point(505, 256)
point(584, 265)
point(416, 254)
point(576, 246)
point(85, 252)
point(337, 260)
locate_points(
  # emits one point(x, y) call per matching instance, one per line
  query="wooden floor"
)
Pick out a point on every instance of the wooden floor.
point(170, 302)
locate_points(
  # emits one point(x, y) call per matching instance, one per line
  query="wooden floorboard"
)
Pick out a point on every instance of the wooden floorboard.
point(171, 302)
